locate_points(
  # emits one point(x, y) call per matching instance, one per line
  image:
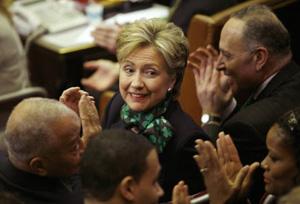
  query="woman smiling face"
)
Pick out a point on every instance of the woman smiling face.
point(280, 163)
point(144, 80)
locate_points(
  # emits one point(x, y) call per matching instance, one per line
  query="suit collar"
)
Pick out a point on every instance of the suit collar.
point(280, 78)
point(24, 179)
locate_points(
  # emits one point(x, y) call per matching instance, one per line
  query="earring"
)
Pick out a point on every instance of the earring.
point(169, 89)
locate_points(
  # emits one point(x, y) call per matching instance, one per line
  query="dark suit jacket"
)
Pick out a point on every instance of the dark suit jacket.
point(248, 126)
point(177, 159)
point(34, 189)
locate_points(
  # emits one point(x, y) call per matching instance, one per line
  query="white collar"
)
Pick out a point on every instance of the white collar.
point(229, 109)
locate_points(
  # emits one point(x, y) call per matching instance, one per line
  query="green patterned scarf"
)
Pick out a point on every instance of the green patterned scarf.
point(150, 124)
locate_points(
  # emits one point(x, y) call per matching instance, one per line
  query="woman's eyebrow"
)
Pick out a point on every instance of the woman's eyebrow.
point(127, 61)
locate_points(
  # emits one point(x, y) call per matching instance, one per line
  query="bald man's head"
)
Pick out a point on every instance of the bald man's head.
point(33, 126)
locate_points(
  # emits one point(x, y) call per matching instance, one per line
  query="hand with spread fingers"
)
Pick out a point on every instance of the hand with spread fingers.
point(105, 75)
point(71, 96)
point(213, 87)
point(89, 118)
point(106, 36)
point(180, 194)
point(230, 160)
point(216, 182)
point(228, 155)
point(220, 184)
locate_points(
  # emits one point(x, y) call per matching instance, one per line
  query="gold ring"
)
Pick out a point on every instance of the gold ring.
point(203, 170)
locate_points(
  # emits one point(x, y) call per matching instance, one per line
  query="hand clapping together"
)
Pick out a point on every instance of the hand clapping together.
point(84, 105)
point(226, 180)
point(213, 87)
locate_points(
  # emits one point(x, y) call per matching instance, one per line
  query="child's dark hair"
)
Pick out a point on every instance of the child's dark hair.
point(289, 124)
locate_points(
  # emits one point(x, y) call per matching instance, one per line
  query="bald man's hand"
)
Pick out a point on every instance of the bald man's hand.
point(89, 118)
point(71, 96)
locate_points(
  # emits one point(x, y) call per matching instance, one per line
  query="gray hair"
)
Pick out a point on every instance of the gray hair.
point(166, 37)
point(29, 129)
point(262, 27)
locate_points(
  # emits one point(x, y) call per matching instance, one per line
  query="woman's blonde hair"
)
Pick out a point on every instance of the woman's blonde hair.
point(166, 37)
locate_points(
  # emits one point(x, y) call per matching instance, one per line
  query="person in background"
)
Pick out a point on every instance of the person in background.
point(106, 72)
point(13, 62)
point(152, 56)
point(44, 148)
point(227, 181)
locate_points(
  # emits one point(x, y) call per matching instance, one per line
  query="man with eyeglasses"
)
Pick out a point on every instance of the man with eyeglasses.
point(246, 86)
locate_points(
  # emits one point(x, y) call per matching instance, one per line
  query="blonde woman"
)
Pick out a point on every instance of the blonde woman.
point(152, 55)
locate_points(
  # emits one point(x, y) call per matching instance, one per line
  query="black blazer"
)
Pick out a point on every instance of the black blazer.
point(177, 159)
point(248, 126)
point(34, 189)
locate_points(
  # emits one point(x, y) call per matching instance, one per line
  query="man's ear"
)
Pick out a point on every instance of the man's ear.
point(128, 188)
point(37, 166)
point(261, 57)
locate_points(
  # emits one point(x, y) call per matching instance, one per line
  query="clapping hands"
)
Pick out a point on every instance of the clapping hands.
point(226, 180)
point(84, 105)
point(213, 87)
point(180, 194)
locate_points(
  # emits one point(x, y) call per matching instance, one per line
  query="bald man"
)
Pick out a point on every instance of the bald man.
point(44, 149)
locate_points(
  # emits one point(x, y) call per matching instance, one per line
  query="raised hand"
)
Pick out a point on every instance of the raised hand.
point(214, 176)
point(89, 118)
point(180, 194)
point(71, 96)
point(105, 75)
point(106, 36)
point(228, 156)
point(221, 187)
point(230, 160)
point(213, 87)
